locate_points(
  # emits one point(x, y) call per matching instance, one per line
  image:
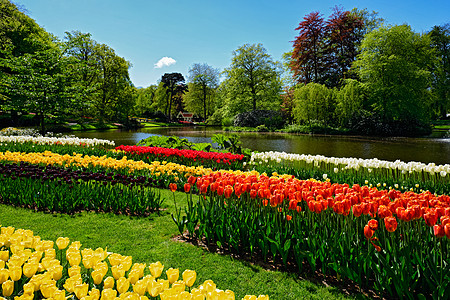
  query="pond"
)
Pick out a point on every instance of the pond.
point(425, 150)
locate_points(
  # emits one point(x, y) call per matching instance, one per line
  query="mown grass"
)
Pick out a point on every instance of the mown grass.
point(150, 239)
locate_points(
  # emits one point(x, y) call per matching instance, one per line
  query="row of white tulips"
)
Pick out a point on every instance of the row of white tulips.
point(53, 140)
point(344, 163)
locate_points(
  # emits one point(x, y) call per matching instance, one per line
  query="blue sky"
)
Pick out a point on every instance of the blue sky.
point(182, 33)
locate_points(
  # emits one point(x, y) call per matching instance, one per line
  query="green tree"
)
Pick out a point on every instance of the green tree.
point(86, 72)
point(202, 84)
point(112, 79)
point(145, 98)
point(394, 64)
point(39, 83)
point(174, 84)
point(314, 103)
point(253, 80)
point(350, 99)
point(440, 37)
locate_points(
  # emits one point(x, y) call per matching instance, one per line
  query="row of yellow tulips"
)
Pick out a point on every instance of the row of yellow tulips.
point(29, 267)
point(155, 168)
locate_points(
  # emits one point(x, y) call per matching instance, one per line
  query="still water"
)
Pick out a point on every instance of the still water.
point(425, 150)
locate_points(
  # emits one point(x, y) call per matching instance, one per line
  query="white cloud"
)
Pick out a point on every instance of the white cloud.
point(165, 62)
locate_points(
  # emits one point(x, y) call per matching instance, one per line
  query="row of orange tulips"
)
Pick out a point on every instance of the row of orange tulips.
point(333, 227)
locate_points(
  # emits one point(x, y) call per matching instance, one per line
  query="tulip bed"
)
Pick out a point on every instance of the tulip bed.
point(31, 268)
point(214, 160)
point(396, 242)
point(435, 178)
point(67, 191)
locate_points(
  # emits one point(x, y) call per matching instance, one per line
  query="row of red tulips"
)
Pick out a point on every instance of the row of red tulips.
point(186, 156)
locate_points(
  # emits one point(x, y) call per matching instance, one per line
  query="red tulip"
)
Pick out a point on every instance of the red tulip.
point(228, 191)
point(439, 230)
point(430, 217)
point(368, 233)
point(373, 224)
point(173, 187)
point(390, 223)
point(187, 187)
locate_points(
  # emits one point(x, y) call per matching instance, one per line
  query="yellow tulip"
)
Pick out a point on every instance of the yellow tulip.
point(108, 294)
point(118, 271)
point(263, 297)
point(50, 253)
point(47, 245)
point(156, 289)
point(122, 285)
point(209, 285)
point(74, 257)
point(28, 288)
point(2, 264)
point(81, 290)
point(97, 276)
point(7, 287)
point(184, 295)
point(197, 296)
point(229, 295)
point(165, 283)
point(30, 268)
point(95, 294)
point(4, 275)
point(48, 288)
point(172, 275)
point(140, 287)
point(126, 262)
point(115, 259)
point(56, 272)
point(249, 297)
point(156, 269)
point(108, 283)
point(7, 231)
point(4, 255)
point(62, 242)
point(70, 283)
point(74, 270)
point(15, 273)
point(59, 295)
point(178, 286)
point(189, 277)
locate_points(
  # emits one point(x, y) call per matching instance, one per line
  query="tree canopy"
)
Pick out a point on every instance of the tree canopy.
point(252, 80)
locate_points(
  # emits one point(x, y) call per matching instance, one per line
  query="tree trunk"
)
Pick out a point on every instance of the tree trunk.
point(204, 103)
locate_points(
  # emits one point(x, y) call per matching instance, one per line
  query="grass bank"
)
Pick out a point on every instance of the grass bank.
point(150, 239)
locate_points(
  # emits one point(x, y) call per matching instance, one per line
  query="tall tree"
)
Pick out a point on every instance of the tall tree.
point(394, 64)
point(308, 56)
point(343, 28)
point(86, 72)
point(112, 79)
point(440, 38)
point(203, 80)
point(174, 83)
point(41, 83)
point(253, 80)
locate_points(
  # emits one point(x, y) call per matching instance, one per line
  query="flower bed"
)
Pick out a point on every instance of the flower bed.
point(163, 172)
point(67, 191)
point(215, 160)
point(55, 141)
point(331, 227)
point(32, 268)
point(433, 177)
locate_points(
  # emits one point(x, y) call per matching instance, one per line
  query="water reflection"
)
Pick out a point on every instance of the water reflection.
point(405, 149)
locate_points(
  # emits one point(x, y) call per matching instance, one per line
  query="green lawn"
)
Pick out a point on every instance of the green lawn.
point(148, 239)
